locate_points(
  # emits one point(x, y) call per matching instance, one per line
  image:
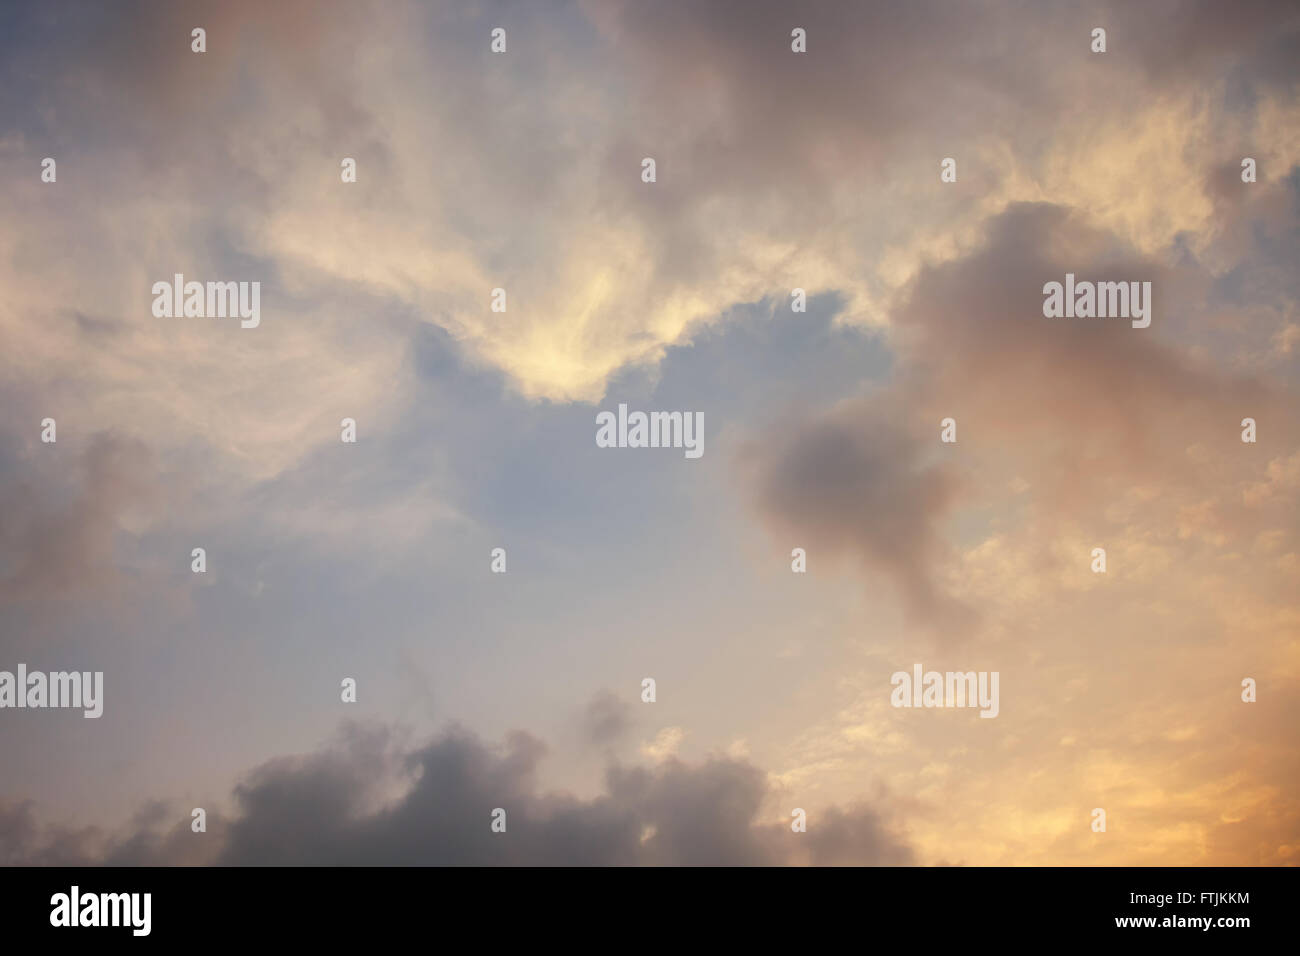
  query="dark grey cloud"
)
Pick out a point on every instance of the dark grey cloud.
point(672, 814)
point(606, 718)
point(345, 805)
point(23, 841)
point(858, 480)
point(846, 837)
point(154, 837)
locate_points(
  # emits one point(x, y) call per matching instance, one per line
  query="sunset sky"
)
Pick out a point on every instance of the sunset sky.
point(476, 430)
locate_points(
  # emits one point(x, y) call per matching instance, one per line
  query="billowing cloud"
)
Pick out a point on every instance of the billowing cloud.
point(1081, 411)
point(364, 800)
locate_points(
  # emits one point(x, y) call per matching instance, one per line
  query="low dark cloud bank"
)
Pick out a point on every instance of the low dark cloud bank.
point(342, 805)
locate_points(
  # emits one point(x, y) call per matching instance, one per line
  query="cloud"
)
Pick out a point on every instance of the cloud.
point(528, 179)
point(606, 719)
point(665, 744)
point(856, 480)
point(365, 800)
point(59, 542)
point(1038, 402)
point(23, 842)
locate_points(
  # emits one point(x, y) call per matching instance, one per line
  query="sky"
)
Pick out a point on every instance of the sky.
point(775, 170)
